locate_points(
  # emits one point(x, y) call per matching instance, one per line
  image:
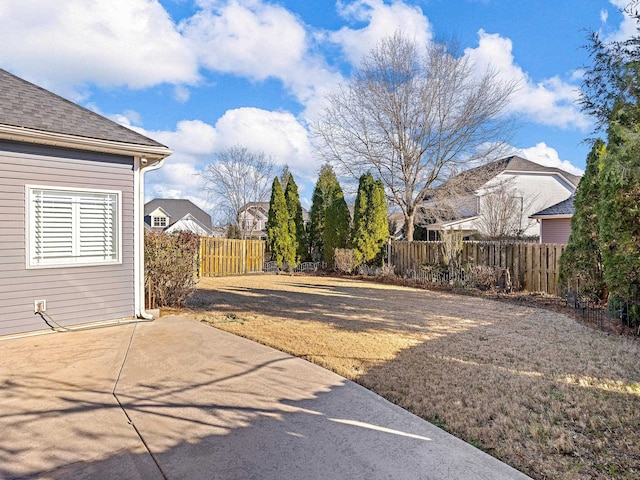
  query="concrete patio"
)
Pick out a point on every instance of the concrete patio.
point(176, 399)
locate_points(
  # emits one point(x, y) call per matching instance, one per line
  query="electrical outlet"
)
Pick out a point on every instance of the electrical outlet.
point(40, 306)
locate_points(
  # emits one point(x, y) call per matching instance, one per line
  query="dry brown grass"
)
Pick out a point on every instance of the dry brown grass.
point(531, 387)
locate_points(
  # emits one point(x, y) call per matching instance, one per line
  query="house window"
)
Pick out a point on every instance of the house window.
point(160, 222)
point(72, 227)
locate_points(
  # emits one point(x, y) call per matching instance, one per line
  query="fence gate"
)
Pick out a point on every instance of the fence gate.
point(223, 256)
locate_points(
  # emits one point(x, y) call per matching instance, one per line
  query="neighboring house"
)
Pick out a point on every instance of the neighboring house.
point(252, 219)
point(504, 193)
point(175, 215)
point(555, 221)
point(71, 184)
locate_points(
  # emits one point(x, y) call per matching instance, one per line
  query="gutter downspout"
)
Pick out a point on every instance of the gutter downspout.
point(138, 232)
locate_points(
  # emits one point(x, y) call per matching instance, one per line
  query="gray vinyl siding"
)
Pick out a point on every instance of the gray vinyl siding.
point(74, 295)
point(555, 230)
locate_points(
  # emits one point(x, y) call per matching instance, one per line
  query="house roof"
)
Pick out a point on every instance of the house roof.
point(561, 209)
point(27, 106)
point(474, 178)
point(178, 209)
point(190, 223)
point(518, 164)
point(264, 207)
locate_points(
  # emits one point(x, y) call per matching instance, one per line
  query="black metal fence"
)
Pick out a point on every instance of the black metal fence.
point(618, 314)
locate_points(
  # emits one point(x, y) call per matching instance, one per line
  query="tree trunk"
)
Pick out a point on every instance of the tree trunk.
point(408, 225)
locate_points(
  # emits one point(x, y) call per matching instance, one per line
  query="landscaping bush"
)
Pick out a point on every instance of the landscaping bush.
point(486, 278)
point(385, 271)
point(170, 267)
point(465, 275)
point(344, 260)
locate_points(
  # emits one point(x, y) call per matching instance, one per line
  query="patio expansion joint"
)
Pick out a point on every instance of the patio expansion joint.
point(129, 419)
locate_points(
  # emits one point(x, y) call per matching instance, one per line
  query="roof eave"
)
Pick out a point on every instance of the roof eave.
point(542, 172)
point(22, 134)
point(451, 223)
point(551, 217)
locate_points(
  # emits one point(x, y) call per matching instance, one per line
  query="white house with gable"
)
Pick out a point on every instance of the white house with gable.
point(497, 199)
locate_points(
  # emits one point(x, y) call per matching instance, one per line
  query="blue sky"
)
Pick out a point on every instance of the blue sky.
point(201, 76)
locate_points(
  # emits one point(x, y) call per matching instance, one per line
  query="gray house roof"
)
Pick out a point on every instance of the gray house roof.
point(177, 209)
point(264, 208)
point(474, 178)
point(26, 105)
point(518, 164)
point(564, 208)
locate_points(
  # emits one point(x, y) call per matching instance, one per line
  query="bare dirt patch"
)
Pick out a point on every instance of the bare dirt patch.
point(531, 387)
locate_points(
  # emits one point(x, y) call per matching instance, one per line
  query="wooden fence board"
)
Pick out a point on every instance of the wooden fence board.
point(533, 267)
point(223, 256)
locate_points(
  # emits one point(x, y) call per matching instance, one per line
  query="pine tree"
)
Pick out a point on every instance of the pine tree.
point(582, 259)
point(295, 213)
point(337, 222)
point(370, 225)
point(317, 214)
point(619, 212)
point(279, 228)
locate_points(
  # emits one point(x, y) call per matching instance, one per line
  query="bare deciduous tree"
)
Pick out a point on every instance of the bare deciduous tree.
point(456, 198)
point(236, 179)
point(412, 118)
point(504, 211)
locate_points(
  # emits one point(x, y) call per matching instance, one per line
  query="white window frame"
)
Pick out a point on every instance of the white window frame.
point(75, 235)
point(155, 221)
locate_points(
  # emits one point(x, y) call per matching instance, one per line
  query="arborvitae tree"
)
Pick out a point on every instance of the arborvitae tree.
point(619, 213)
point(319, 202)
point(581, 261)
point(279, 228)
point(337, 222)
point(284, 177)
point(295, 213)
point(370, 225)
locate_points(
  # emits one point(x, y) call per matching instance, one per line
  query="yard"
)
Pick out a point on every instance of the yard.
point(531, 387)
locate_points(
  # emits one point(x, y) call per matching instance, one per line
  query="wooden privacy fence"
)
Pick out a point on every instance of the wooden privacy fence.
point(534, 267)
point(223, 256)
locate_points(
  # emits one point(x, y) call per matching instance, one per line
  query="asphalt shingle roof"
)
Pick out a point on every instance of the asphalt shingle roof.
point(265, 206)
point(518, 164)
point(23, 104)
point(474, 178)
point(563, 208)
point(177, 209)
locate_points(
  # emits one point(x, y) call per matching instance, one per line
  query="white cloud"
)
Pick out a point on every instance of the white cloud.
point(277, 134)
point(66, 45)
point(628, 25)
point(181, 93)
point(549, 102)
point(248, 38)
point(604, 15)
point(191, 137)
point(382, 20)
point(258, 41)
point(548, 156)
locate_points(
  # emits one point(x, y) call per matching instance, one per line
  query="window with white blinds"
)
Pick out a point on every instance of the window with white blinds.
point(73, 227)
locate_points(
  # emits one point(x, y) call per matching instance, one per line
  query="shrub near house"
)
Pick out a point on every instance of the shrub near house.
point(170, 266)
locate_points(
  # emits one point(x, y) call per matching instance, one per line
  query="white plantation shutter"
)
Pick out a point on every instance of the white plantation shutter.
point(96, 226)
point(73, 227)
point(53, 227)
